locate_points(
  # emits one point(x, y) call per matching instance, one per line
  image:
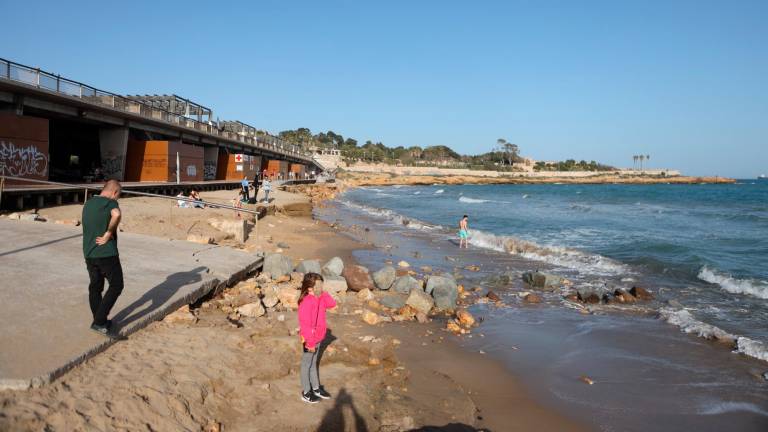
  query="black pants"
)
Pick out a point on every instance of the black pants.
point(98, 270)
point(247, 191)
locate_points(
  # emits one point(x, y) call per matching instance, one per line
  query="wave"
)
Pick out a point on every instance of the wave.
point(559, 256)
point(472, 200)
point(688, 324)
point(439, 191)
point(391, 216)
point(753, 287)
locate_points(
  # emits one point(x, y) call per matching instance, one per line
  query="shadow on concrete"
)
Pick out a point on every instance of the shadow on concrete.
point(40, 245)
point(342, 414)
point(451, 427)
point(157, 296)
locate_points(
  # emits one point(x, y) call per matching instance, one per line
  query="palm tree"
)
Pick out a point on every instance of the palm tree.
point(647, 158)
point(634, 162)
point(641, 157)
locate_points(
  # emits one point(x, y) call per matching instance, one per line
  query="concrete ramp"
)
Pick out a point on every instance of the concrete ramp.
point(44, 312)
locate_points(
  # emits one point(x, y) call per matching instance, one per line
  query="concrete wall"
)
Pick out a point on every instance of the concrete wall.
point(210, 162)
point(113, 143)
point(23, 147)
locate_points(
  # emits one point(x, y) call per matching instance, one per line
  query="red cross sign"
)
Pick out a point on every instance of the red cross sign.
point(238, 158)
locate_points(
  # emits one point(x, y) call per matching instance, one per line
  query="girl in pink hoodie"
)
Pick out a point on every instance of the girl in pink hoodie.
point(313, 302)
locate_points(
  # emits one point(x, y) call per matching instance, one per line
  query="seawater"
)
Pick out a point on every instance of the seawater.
point(702, 249)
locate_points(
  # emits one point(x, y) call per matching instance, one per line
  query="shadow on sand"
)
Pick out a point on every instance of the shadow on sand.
point(157, 296)
point(343, 416)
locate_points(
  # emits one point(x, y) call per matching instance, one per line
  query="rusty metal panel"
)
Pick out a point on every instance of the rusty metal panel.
point(24, 147)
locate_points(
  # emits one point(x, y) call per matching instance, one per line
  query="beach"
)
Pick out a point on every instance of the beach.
point(203, 369)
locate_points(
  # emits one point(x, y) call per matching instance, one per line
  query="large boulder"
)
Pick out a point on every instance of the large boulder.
point(641, 293)
point(420, 301)
point(357, 278)
point(444, 290)
point(393, 301)
point(384, 278)
point(406, 284)
point(238, 228)
point(288, 296)
point(253, 310)
point(277, 265)
point(542, 280)
point(334, 267)
point(309, 266)
point(587, 295)
point(335, 285)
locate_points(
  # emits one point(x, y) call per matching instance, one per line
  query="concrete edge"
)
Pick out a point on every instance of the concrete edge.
point(214, 285)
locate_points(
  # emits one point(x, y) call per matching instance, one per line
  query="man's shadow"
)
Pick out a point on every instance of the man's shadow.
point(156, 296)
point(334, 419)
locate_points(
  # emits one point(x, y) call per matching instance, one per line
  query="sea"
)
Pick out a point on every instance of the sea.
point(694, 358)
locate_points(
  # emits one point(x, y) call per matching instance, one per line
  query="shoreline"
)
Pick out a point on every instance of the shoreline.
point(428, 381)
point(352, 179)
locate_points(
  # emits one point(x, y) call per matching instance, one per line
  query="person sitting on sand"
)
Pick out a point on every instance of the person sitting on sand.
point(464, 232)
point(313, 302)
point(195, 195)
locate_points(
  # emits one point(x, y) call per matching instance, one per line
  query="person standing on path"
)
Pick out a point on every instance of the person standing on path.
point(101, 216)
point(464, 232)
point(266, 186)
point(313, 302)
point(246, 186)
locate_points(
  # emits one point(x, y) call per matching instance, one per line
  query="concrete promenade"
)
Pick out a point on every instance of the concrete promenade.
point(44, 312)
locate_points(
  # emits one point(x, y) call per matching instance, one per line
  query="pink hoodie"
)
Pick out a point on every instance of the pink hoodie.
point(312, 318)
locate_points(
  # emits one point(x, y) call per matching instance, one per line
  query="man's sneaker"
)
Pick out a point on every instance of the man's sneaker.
point(321, 393)
point(309, 397)
point(101, 329)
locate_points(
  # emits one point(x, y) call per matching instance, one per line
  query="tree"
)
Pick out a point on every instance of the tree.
point(641, 157)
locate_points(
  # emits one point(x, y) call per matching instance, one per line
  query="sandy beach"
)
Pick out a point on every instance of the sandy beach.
point(209, 367)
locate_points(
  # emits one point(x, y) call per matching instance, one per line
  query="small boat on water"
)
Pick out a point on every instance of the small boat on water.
point(762, 177)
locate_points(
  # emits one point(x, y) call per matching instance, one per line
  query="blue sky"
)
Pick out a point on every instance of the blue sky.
point(683, 81)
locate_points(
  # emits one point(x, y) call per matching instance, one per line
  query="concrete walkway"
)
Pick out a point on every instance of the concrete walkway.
point(44, 312)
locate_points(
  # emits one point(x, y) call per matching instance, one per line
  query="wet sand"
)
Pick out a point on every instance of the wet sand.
point(198, 371)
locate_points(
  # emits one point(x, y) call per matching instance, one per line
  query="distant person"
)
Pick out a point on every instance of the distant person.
point(313, 302)
point(464, 232)
point(246, 188)
point(181, 203)
point(238, 201)
point(101, 216)
point(195, 195)
point(266, 186)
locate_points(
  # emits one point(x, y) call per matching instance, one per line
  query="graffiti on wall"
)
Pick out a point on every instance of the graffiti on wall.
point(22, 161)
point(112, 167)
point(209, 170)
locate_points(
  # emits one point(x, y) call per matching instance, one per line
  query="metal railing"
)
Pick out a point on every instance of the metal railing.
point(36, 77)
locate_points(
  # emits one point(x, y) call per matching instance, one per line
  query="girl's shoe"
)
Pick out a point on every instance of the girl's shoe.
point(310, 397)
point(321, 393)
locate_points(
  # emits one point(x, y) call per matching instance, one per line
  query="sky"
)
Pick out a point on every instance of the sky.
point(685, 82)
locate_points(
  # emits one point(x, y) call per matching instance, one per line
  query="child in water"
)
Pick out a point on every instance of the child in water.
point(313, 302)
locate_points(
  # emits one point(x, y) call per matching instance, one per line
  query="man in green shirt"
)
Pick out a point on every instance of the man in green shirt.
point(101, 216)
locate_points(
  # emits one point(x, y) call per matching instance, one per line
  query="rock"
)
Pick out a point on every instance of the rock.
point(532, 298)
point(622, 296)
point(371, 318)
point(182, 315)
point(196, 238)
point(572, 297)
point(365, 295)
point(674, 303)
point(543, 280)
point(309, 266)
point(384, 278)
point(297, 209)
point(263, 277)
point(406, 284)
point(507, 277)
point(334, 267)
point(281, 317)
point(253, 310)
point(73, 222)
point(277, 265)
point(283, 279)
point(472, 268)
point(393, 301)
point(358, 278)
point(641, 293)
point(422, 318)
point(335, 285)
point(492, 296)
point(283, 245)
point(403, 264)
point(426, 269)
point(270, 301)
point(588, 296)
point(15, 216)
point(420, 301)
point(407, 312)
point(236, 227)
point(288, 296)
point(453, 327)
point(465, 318)
point(443, 290)
point(765, 376)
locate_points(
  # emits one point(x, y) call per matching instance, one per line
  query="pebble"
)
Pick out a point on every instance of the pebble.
point(586, 379)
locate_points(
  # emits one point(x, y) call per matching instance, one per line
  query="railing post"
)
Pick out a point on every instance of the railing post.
point(58, 83)
point(38, 77)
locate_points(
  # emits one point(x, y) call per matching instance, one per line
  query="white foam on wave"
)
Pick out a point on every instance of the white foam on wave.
point(439, 191)
point(472, 200)
point(559, 256)
point(417, 192)
point(683, 319)
point(723, 407)
point(391, 216)
point(753, 287)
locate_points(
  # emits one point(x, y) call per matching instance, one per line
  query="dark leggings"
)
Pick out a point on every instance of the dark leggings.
point(100, 269)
